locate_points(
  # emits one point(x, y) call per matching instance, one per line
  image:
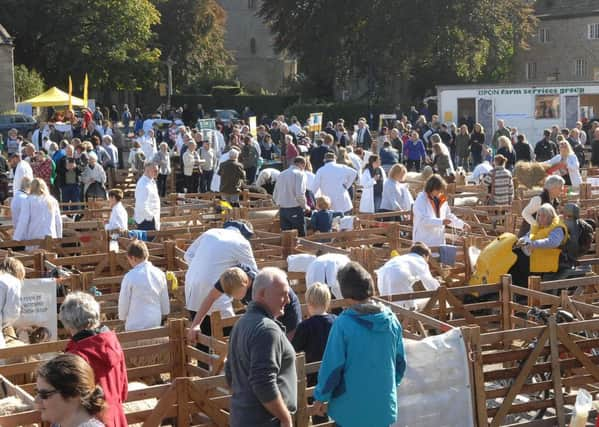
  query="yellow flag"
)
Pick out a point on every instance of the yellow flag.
point(85, 91)
point(70, 94)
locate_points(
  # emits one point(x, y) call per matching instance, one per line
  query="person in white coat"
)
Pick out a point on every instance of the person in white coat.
point(93, 174)
point(371, 180)
point(40, 216)
point(432, 214)
point(119, 220)
point(148, 144)
point(20, 168)
point(147, 199)
point(18, 200)
point(208, 257)
point(565, 164)
point(396, 194)
point(324, 270)
point(333, 180)
point(401, 273)
point(12, 274)
point(143, 298)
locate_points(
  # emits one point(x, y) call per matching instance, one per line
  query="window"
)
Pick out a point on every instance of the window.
point(580, 68)
point(593, 31)
point(531, 71)
point(543, 35)
point(253, 46)
point(251, 4)
point(547, 107)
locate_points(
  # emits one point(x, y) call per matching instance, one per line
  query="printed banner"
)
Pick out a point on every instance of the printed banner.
point(253, 126)
point(207, 124)
point(315, 122)
point(38, 308)
point(387, 120)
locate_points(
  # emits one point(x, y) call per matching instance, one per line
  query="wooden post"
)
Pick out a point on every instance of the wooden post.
point(288, 242)
point(177, 343)
point(301, 416)
point(534, 283)
point(38, 263)
point(556, 374)
point(393, 236)
point(182, 402)
point(506, 311)
point(476, 360)
point(169, 248)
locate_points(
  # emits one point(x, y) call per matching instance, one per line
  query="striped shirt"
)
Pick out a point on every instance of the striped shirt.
point(501, 186)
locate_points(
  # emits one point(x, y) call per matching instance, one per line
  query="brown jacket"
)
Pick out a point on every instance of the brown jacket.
point(232, 175)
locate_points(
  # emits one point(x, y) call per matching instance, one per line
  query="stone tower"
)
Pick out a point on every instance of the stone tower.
point(251, 44)
point(7, 73)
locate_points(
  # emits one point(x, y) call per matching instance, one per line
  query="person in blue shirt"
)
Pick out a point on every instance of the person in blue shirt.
point(364, 359)
point(322, 220)
point(414, 152)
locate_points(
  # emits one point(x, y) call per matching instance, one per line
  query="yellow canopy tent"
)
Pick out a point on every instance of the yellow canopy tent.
point(53, 97)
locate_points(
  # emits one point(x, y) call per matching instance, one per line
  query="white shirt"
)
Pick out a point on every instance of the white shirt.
point(143, 298)
point(148, 146)
point(119, 220)
point(23, 169)
point(16, 206)
point(572, 165)
point(530, 209)
point(356, 161)
point(294, 128)
point(396, 196)
point(399, 274)
point(40, 217)
point(427, 227)
point(10, 302)
point(324, 270)
point(480, 171)
point(368, 182)
point(208, 257)
point(333, 180)
point(268, 174)
point(147, 201)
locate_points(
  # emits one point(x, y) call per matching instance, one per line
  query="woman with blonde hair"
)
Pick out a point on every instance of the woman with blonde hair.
point(506, 149)
point(40, 215)
point(396, 194)
point(565, 164)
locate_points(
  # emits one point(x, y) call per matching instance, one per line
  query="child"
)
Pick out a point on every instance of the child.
point(323, 219)
point(312, 334)
point(118, 215)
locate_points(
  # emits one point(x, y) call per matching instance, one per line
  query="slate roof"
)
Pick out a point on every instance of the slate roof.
point(5, 38)
point(555, 9)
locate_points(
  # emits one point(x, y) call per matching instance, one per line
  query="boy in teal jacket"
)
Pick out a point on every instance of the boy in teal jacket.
point(364, 359)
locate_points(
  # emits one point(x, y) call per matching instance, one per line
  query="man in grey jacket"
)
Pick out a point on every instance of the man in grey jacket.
point(261, 365)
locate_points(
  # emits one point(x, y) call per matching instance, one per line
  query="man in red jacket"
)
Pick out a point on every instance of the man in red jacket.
point(100, 347)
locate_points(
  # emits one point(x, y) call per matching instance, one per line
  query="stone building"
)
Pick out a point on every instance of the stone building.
point(7, 74)
point(251, 44)
point(565, 46)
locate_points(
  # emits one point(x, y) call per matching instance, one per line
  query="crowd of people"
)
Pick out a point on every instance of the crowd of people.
point(312, 178)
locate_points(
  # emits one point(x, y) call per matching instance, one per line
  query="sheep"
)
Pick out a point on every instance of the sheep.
point(139, 405)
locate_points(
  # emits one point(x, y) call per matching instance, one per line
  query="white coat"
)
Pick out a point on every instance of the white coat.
point(368, 182)
point(324, 270)
point(399, 274)
point(148, 146)
point(572, 165)
point(333, 180)
point(427, 227)
point(208, 257)
point(89, 176)
point(40, 217)
point(16, 207)
point(215, 183)
point(10, 302)
point(119, 220)
point(22, 170)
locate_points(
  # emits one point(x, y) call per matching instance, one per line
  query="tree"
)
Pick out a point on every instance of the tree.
point(108, 39)
point(422, 42)
point(191, 33)
point(28, 83)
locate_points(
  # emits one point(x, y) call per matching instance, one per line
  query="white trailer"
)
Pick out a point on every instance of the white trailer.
point(529, 108)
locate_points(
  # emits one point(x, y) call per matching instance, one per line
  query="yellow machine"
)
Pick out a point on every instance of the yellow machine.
point(494, 260)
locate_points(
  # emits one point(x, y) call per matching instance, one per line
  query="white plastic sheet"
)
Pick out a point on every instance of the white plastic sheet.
point(436, 389)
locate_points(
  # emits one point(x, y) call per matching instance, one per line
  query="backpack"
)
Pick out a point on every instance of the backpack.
point(586, 233)
point(139, 161)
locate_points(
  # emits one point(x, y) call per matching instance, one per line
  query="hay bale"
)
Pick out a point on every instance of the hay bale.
point(530, 174)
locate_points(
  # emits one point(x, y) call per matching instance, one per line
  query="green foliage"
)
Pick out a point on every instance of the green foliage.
point(28, 83)
point(108, 39)
point(225, 90)
point(423, 42)
point(191, 34)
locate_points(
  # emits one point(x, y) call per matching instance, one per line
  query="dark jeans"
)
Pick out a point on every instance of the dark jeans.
point(413, 165)
point(293, 219)
point(250, 174)
point(205, 180)
point(162, 179)
point(192, 182)
point(147, 225)
point(70, 193)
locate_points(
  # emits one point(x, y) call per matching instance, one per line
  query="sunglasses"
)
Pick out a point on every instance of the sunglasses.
point(45, 394)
